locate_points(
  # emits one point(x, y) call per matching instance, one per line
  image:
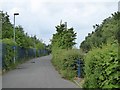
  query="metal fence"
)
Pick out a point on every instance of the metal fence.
point(0, 56)
point(21, 54)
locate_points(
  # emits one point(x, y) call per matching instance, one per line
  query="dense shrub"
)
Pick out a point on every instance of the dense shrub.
point(65, 62)
point(7, 57)
point(7, 53)
point(102, 68)
point(8, 41)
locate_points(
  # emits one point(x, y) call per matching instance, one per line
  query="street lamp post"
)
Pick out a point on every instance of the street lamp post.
point(14, 34)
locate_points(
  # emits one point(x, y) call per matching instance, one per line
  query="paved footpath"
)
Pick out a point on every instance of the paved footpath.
point(36, 73)
point(0, 82)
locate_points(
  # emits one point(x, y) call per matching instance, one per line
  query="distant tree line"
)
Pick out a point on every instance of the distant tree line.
point(22, 39)
point(104, 33)
point(24, 48)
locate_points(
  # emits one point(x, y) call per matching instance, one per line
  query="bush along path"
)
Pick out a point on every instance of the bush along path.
point(64, 55)
point(102, 54)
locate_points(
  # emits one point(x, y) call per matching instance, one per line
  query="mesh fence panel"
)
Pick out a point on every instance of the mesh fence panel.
point(21, 54)
point(0, 55)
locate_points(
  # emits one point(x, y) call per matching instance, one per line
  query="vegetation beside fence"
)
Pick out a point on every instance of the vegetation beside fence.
point(99, 52)
point(101, 59)
point(26, 47)
point(102, 68)
point(64, 56)
point(21, 54)
point(65, 62)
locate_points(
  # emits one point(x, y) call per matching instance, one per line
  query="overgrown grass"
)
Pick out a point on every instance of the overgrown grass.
point(65, 62)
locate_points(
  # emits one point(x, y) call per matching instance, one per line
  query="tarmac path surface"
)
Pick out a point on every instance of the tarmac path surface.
point(36, 73)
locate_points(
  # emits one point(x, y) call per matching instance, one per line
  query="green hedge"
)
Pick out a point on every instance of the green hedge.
point(65, 62)
point(8, 57)
point(8, 41)
point(102, 68)
point(7, 53)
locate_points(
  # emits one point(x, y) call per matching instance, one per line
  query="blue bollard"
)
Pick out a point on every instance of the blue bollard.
point(79, 72)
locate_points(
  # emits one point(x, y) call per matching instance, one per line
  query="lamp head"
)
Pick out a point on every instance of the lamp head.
point(16, 13)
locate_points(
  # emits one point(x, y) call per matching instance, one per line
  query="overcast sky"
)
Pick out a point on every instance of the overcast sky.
point(39, 17)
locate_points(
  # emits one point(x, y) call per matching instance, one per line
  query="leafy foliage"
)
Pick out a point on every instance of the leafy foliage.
point(25, 46)
point(102, 68)
point(102, 49)
point(104, 33)
point(64, 57)
point(22, 38)
point(65, 62)
point(64, 38)
point(7, 57)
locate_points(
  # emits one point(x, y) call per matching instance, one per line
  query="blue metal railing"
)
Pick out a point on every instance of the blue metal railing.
point(20, 54)
point(0, 55)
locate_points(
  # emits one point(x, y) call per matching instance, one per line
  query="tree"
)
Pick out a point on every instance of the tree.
point(22, 39)
point(7, 27)
point(64, 38)
point(107, 31)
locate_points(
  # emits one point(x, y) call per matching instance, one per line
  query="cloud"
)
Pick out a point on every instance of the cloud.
point(39, 17)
